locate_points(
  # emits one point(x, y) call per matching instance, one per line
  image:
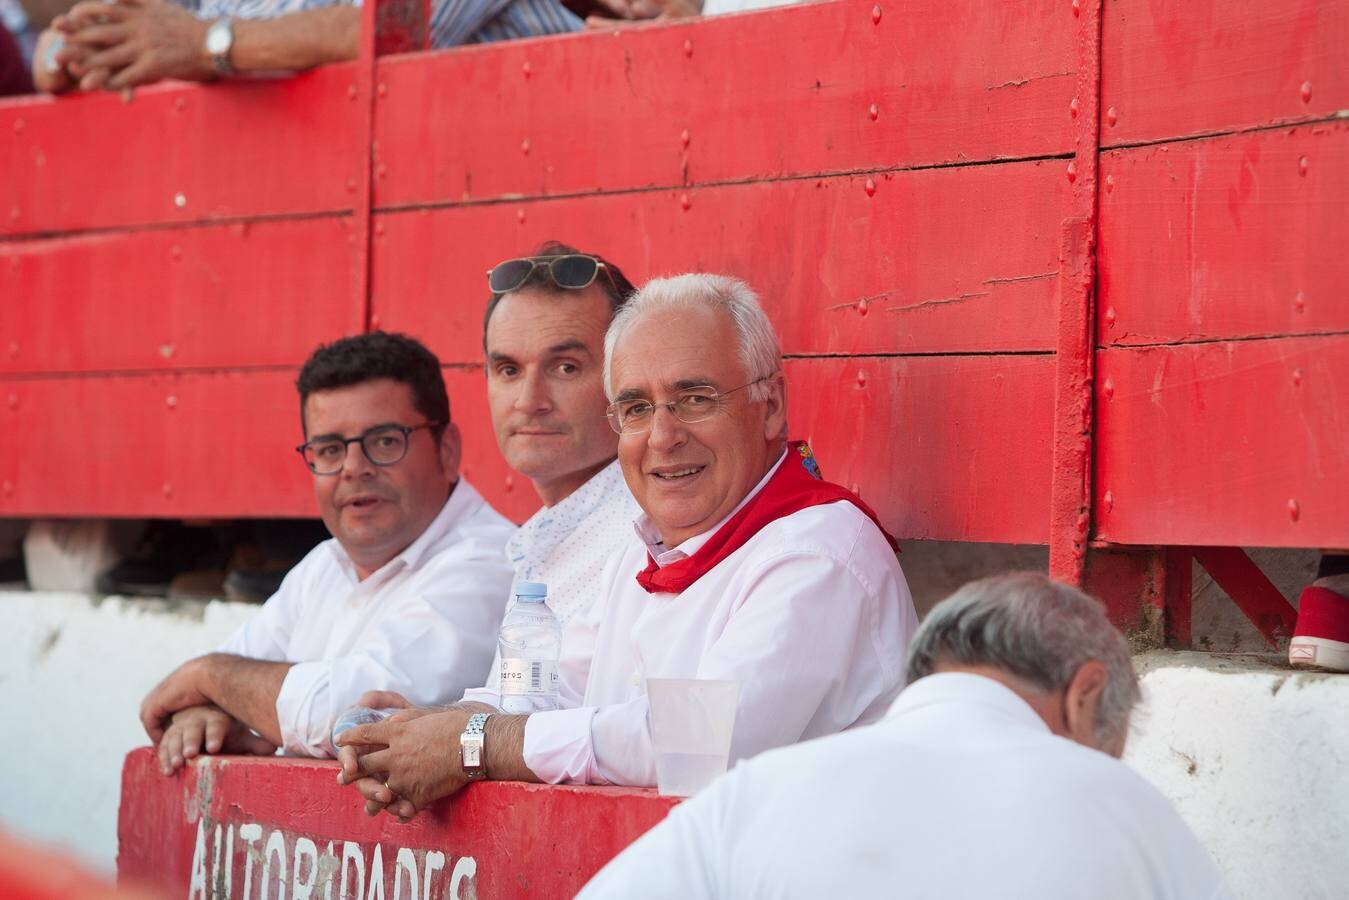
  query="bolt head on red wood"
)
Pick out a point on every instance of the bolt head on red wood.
point(526, 70)
point(1109, 184)
point(1294, 510)
point(1303, 166)
point(1306, 92)
point(18, 125)
point(684, 201)
point(1111, 117)
point(861, 308)
point(684, 138)
point(861, 378)
point(520, 216)
point(1110, 316)
point(1108, 501)
point(1299, 302)
point(870, 187)
point(874, 111)
point(1072, 171)
point(1074, 108)
point(688, 48)
point(1108, 389)
point(171, 401)
point(876, 15)
point(524, 146)
point(1297, 377)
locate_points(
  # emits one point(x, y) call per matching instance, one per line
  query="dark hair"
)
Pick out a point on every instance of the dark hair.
point(617, 290)
point(379, 354)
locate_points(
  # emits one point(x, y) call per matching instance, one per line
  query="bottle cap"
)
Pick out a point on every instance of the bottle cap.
point(531, 591)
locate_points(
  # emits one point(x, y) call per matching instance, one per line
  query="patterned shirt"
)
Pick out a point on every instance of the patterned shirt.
point(566, 547)
point(453, 22)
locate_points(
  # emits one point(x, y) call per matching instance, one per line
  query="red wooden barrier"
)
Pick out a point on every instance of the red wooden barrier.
point(895, 177)
point(228, 827)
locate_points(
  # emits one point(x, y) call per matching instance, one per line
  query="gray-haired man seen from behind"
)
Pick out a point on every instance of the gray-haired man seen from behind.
point(995, 774)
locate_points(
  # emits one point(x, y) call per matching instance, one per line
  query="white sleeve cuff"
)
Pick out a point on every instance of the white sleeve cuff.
point(303, 710)
point(558, 748)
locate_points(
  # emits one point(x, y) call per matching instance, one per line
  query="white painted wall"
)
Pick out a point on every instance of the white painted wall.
point(73, 671)
point(1255, 757)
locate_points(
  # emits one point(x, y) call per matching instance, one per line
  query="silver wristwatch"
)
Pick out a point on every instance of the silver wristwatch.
point(219, 43)
point(472, 749)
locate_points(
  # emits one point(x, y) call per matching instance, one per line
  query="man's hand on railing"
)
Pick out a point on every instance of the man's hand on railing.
point(210, 730)
point(133, 42)
point(627, 13)
point(411, 752)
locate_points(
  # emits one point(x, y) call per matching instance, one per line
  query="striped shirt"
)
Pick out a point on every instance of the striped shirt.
point(453, 22)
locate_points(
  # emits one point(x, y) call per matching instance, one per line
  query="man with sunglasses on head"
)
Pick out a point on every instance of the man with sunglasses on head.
point(406, 597)
point(745, 566)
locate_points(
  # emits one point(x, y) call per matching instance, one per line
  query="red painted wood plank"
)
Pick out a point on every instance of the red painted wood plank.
point(848, 270)
point(182, 445)
point(1229, 237)
point(943, 447)
point(169, 445)
point(256, 823)
point(180, 153)
point(258, 294)
point(1231, 444)
point(1173, 69)
point(818, 88)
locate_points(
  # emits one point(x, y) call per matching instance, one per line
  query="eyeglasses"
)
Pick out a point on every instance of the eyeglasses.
point(572, 272)
point(383, 445)
point(689, 406)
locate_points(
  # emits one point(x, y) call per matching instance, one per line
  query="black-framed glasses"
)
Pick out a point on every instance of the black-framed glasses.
point(572, 272)
point(690, 406)
point(383, 445)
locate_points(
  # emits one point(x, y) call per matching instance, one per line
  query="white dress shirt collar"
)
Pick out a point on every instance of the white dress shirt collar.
point(650, 535)
point(966, 689)
point(459, 504)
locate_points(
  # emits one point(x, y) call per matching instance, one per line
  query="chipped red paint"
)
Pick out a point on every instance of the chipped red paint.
point(240, 827)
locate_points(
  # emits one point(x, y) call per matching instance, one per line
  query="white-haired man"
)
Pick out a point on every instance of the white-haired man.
point(746, 566)
point(993, 775)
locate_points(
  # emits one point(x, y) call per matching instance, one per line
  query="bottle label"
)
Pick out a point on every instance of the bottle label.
point(528, 677)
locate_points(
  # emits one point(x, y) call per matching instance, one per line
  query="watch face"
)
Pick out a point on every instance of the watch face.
point(218, 39)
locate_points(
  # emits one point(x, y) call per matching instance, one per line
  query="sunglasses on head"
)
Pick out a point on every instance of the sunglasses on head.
point(572, 272)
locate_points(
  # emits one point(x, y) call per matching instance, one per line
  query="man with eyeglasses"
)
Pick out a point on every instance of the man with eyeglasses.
point(745, 566)
point(406, 597)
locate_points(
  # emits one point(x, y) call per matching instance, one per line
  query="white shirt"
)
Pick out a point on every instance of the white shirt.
point(811, 616)
point(424, 624)
point(566, 547)
point(961, 792)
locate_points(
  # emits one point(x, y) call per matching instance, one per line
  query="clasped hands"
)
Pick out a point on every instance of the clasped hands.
point(406, 762)
point(182, 722)
point(126, 43)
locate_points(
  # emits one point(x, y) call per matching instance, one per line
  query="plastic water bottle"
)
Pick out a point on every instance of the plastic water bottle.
point(357, 715)
point(531, 642)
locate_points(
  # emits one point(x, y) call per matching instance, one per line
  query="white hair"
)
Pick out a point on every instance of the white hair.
point(1035, 628)
point(760, 352)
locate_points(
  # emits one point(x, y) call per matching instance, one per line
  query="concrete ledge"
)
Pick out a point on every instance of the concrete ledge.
point(1255, 755)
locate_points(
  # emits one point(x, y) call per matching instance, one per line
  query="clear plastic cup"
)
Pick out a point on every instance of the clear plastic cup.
point(691, 724)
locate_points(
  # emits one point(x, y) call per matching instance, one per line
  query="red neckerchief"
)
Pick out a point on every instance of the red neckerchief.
point(796, 485)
